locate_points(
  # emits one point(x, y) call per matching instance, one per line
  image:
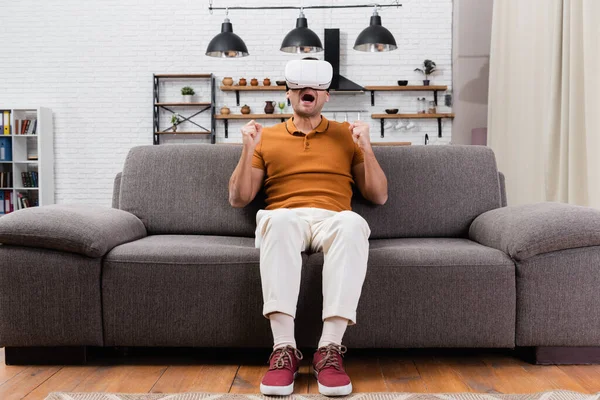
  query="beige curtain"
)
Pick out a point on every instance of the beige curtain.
point(544, 108)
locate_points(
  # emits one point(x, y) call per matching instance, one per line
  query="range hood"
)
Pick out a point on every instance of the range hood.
point(339, 83)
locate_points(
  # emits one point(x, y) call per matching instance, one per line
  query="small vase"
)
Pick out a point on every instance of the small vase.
point(242, 82)
point(254, 82)
point(227, 81)
point(270, 107)
point(426, 82)
point(267, 82)
point(245, 110)
point(187, 98)
point(174, 128)
point(225, 110)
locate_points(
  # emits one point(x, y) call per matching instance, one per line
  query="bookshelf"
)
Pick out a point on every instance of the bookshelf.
point(26, 159)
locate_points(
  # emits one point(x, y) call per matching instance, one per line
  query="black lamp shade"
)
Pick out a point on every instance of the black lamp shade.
point(227, 43)
point(375, 38)
point(301, 39)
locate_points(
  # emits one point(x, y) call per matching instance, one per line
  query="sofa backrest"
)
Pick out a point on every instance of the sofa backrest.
point(433, 190)
point(183, 189)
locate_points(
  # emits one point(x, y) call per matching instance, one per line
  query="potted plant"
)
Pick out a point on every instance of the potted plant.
point(187, 93)
point(175, 121)
point(427, 69)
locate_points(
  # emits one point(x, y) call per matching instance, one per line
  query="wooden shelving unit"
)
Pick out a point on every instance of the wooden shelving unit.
point(434, 89)
point(227, 117)
point(201, 106)
point(237, 89)
point(439, 118)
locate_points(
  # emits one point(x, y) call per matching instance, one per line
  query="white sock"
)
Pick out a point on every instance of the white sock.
point(333, 331)
point(282, 326)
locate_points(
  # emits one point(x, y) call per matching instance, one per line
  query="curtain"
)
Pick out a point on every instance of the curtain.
point(544, 109)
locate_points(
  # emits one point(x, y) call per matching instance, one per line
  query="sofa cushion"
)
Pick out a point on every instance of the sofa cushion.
point(77, 228)
point(431, 292)
point(434, 191)
point(183, 188)
point(184, 290)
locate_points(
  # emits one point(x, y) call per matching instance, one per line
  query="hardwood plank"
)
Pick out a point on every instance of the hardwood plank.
point(8, 371)
point(196, 378)
point(391, 143)
point(24, 382)
point(401, 375)
point(587, 376)
point(365, 373)
point(182, 75)
point(67, 379)
point(247, 379)
point(412, 116)
point(301, 386)
point(515, 376)
point(122, 378)
point(253, 116)
point(233, 88)
point(439, 377)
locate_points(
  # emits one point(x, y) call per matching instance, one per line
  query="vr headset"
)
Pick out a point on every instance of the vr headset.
point(314, 74)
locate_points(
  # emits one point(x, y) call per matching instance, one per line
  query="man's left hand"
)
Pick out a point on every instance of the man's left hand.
point(360, 134)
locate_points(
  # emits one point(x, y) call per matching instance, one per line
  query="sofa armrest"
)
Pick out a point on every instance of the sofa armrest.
point(528, 230)
point(84, 229)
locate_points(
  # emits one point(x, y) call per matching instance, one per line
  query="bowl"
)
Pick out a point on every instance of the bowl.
point(391, 110)
point(402, 83)
point(280, 83)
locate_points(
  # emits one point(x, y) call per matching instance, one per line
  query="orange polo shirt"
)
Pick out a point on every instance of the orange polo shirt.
point(308, 170)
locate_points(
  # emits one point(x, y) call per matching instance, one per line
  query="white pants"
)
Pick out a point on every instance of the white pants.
point(283, 234)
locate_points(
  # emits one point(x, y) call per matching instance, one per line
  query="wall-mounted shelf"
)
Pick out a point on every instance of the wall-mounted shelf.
point(391, 143)
point(237, 89)
point(227, 117)
point(433, 89)
point(438, 116)
point(201, 106)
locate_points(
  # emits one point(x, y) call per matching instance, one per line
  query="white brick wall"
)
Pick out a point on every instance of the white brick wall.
point(92, 62)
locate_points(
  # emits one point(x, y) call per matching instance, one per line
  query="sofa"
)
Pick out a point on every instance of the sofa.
point(172, 264)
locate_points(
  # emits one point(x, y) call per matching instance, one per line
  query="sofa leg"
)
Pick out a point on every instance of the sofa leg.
point(76, 355)
point(566, 355)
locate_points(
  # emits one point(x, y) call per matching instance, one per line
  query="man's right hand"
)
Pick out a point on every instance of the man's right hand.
point(251, 134)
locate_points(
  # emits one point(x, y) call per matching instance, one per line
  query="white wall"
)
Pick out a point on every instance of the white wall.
point(92, 62)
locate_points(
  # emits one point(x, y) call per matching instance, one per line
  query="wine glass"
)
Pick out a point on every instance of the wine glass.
point(281, 106)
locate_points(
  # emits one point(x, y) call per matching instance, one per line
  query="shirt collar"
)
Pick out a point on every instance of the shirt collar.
point(321, 128)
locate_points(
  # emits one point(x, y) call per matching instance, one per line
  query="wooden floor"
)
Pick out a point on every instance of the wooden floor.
point(492, 371)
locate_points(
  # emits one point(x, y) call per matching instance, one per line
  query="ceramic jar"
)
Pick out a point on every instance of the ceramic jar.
point(267, 82)
point(270, 107)
point(242, 82)
point(225, 110)
point(227, 81)
point(254, 82)
point(245, 109)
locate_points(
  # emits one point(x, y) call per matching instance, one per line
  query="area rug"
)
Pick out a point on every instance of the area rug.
point(553, 395)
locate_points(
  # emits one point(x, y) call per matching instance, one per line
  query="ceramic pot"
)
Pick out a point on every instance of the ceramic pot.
point(225, 110)
point(267, 82)
point(426, 82)
point(245, 110)
point(242, 82)
point(227, 81)
point(254, 82)
point(187, 98)
point(270, 107)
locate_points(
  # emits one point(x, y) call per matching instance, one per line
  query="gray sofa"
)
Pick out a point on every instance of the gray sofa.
point(173, 264)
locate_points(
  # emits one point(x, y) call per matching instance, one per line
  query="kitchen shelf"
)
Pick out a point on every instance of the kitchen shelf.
point(227, 117)
point(391, 143)
point(433, 88)
point(183, 133)
point(237, 89)
point(200, 106)
point(438, 116)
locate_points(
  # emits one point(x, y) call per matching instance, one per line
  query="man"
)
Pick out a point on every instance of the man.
point(308, 165)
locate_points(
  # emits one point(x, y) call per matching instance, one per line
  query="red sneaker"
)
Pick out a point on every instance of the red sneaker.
point(329, 371)
point(279, 379)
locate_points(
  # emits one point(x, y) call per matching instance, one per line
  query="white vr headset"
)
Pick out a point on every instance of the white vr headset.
point(314, 74)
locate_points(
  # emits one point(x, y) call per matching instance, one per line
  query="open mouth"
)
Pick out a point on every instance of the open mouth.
point(307, 98)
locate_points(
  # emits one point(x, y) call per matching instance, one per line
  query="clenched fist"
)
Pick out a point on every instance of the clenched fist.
point(360, 134)
point(251, 133)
